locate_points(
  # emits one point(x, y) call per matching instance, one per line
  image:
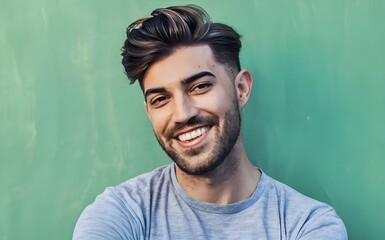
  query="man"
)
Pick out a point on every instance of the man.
point(188, 69)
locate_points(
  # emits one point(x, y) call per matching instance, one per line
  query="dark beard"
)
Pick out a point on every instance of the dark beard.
point(224, 142)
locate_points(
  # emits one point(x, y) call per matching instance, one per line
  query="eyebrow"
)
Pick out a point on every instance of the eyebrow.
point(196, 77)
point(185, 81)
point(153, 90)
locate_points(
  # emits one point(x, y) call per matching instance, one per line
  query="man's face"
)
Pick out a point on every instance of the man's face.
point(191, 103)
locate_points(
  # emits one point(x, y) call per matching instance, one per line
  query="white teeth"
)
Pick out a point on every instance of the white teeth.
point(193, 134)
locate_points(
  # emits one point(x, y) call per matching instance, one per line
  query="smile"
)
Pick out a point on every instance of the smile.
point(186, 137)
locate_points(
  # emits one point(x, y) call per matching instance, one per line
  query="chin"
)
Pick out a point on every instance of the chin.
point(201, 167)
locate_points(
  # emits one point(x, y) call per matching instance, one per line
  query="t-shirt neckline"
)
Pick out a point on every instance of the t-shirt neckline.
point(217, 208)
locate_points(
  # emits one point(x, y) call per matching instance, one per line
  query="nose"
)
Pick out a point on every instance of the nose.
point(184, 109)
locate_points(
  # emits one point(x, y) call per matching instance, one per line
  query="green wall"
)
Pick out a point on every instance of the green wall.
point(70, 124)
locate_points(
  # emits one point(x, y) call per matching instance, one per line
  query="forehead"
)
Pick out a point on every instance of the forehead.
point(182, 63)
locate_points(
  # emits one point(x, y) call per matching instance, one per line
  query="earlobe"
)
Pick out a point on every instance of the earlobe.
point(243, 86)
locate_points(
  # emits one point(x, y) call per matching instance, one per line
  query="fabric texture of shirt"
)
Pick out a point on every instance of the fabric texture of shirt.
point(155, 206)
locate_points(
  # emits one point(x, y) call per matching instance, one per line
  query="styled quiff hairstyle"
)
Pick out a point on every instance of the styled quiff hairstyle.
point(158, 36)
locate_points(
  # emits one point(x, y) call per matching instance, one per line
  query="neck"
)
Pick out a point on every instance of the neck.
point(222, 185)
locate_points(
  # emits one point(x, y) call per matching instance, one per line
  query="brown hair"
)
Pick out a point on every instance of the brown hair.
point(153, 38)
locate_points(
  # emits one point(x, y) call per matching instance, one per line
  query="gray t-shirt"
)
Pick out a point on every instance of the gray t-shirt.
point(154, 206)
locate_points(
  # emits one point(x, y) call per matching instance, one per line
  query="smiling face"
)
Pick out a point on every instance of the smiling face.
point(192, 105)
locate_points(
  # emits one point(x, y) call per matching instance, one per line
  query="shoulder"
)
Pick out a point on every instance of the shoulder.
point(303, 217)
point(120, 211)
point(144, 184)
point(286, 196)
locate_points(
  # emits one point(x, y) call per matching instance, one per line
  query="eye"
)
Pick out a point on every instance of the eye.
point(158, 101)
point(201, 88)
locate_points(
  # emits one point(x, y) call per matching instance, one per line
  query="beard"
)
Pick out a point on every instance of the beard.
point(224, 141)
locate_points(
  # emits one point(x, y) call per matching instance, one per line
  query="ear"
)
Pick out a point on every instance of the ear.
point(146, 108)
point(243, 84)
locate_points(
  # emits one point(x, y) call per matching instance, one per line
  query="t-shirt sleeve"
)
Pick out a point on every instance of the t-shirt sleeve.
point(325, 226)
point(107, 218)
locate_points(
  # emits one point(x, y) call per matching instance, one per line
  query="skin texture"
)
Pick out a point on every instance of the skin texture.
point(189, 93)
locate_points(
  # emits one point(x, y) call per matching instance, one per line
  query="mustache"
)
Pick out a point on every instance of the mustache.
point(192, 122)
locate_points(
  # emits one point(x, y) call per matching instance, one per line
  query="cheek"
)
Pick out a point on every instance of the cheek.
point(158, 121)
point(219, 103)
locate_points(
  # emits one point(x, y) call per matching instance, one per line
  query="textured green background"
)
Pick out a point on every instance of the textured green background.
point(70, 124)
